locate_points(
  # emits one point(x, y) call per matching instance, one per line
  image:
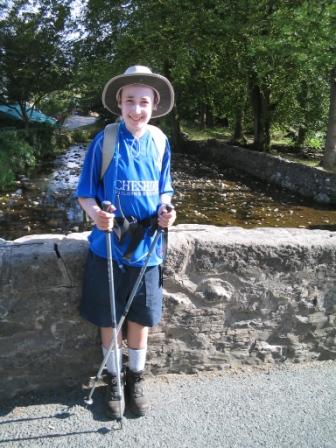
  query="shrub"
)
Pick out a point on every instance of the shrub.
point(16, 155)
point(42, 138)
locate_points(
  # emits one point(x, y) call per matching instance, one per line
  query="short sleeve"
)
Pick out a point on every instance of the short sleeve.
point(90, 176)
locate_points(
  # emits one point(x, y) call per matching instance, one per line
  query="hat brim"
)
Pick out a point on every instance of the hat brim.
point(157, 82)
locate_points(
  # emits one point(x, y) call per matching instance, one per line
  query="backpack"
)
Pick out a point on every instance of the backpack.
point(110, 140)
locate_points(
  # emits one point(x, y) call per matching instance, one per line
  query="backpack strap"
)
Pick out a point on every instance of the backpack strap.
point(159, 140)
point(110, 141)
point(109, 145)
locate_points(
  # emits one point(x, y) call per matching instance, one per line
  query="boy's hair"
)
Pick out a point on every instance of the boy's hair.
point(156, 95)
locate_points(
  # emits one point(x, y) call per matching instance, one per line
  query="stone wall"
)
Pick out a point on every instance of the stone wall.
point(310, 182)
point(232, 297)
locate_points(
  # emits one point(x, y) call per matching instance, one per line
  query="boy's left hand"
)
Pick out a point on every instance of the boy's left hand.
point(166, 218)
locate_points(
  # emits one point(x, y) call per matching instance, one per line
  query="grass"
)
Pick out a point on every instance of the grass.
point(282, 145)
point(196, 133)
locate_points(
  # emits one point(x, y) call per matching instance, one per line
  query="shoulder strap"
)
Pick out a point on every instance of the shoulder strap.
point(110, 140)
point(159, 139)
point(109, 144)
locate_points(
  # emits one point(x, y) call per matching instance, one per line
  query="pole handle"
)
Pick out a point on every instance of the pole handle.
point(106, 205)
point(108, 208)
point(169, 207)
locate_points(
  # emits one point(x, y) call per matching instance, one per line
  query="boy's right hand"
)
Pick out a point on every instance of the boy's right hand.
point(104, 219)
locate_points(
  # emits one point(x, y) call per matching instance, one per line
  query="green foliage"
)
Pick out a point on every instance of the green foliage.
point(217, 53)
point(315, 141)
point(63, 139)
point(81, 135)
point(16, 155)
point(58, 104)
point(261, 64)
point(42, 138)
point(34, 57)
point(193, 132)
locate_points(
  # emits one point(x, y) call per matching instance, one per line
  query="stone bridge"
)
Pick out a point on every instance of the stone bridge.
point(232, 297)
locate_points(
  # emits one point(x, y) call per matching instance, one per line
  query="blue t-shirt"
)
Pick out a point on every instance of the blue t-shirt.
point(134, 182)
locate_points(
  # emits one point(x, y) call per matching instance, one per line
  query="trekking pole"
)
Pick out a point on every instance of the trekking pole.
point(158, 233)
point(106, 206)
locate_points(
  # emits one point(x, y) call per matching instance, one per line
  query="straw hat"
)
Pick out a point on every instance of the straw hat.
point(138, 74)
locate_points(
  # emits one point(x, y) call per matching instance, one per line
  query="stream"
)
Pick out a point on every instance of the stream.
point(204, 194)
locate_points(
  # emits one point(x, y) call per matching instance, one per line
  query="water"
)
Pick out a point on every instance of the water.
point(228, 197)
point(204, 195)
point(45, 203)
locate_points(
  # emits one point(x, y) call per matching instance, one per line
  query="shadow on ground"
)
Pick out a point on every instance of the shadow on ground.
point(69, 401)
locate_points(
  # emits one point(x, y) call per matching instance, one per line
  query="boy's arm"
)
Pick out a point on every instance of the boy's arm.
point(103, 220)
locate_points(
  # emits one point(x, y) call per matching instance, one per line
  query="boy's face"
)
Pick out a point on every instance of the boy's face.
point(136, 106)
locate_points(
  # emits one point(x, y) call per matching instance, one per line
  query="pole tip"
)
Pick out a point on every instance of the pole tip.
point(88, 401)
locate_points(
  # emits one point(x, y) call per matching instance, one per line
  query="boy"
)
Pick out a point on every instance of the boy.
point(138, 184)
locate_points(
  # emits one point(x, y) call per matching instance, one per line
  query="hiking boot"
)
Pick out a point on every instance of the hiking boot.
point(135, 394)
point(113, 400)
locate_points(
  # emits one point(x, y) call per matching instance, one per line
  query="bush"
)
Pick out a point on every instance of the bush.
point(16, 155)
point(42, 138)
point(63, 139)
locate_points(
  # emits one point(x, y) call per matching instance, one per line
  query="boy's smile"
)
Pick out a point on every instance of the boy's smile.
point(136, 106)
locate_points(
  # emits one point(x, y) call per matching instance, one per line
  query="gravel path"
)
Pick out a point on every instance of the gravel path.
point(291, 406)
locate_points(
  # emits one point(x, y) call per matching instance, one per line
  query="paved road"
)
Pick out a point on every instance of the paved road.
point(77, 121)
point(284, 407)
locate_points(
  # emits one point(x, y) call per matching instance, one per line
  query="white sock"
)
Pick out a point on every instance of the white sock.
point(110, 364)
point(137, 359)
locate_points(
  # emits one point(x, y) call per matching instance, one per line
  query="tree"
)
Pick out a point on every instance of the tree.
point(259, 64)
point(329, 159)
point(34, 58)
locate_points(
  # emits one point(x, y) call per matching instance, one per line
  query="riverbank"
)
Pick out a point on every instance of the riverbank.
point(25, 151)
point(311, 182)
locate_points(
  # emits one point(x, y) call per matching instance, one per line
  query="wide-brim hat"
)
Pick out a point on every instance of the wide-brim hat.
point(138, 74)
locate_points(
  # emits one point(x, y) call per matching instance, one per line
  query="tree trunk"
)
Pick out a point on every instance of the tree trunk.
point(301, 138)
point(176, 129)
point(25, 119)
point(203, 115)
point(329, 158)
point(260, 99)
point(238, 127)
point(174, 116)
point(266, 109)
point(210, 122)
point(259, 117)
point(303, 102)
point(257, 125)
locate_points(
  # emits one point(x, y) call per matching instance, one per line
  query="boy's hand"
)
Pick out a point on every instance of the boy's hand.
point(104, 219)
point(166, 218)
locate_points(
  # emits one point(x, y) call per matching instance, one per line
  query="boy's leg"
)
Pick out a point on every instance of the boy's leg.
point(136, 335)
point(106, 338)
point(137, 348)
point(112, 401)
